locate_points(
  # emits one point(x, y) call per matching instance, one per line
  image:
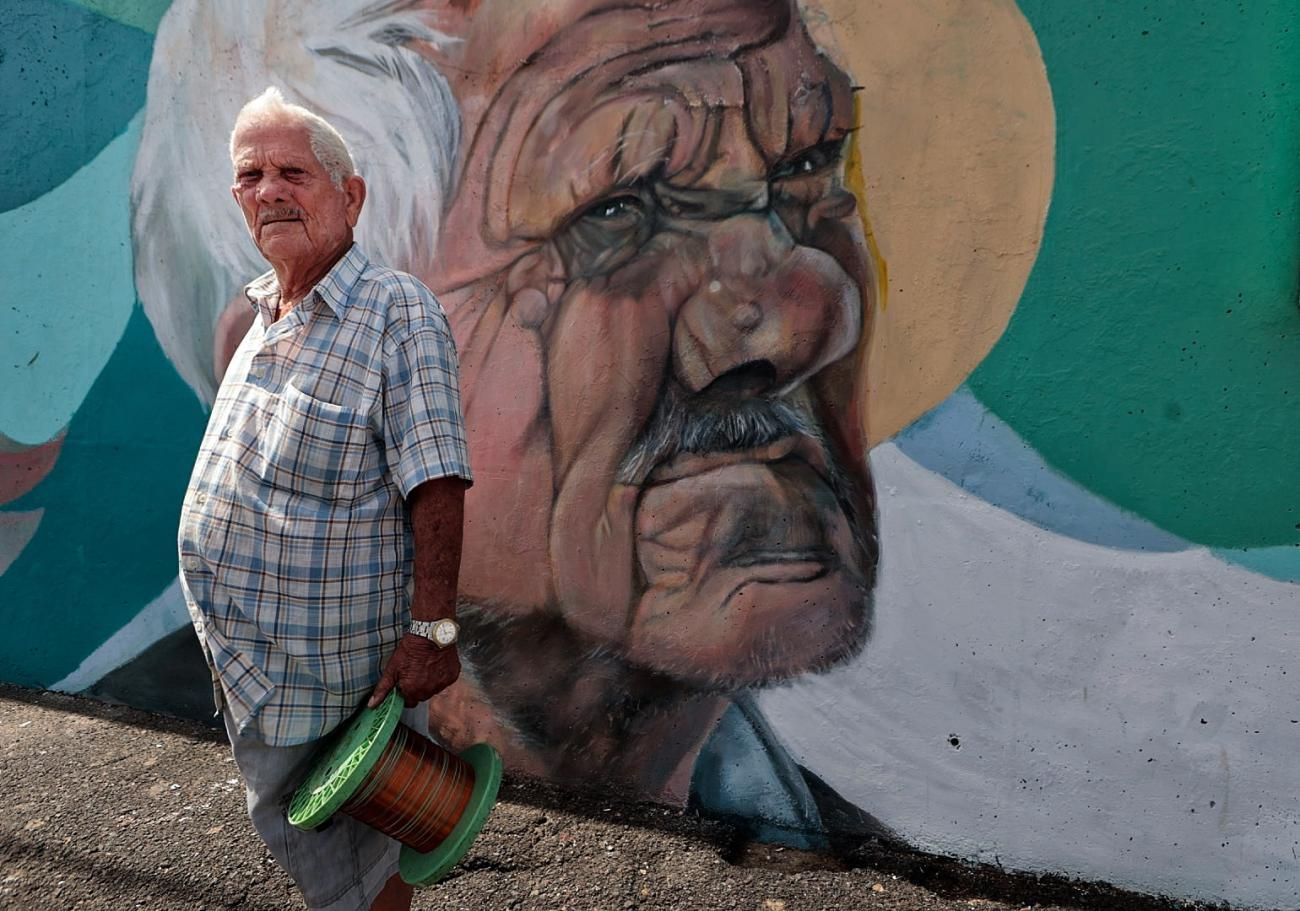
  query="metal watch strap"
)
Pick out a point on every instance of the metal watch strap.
point(430, 629)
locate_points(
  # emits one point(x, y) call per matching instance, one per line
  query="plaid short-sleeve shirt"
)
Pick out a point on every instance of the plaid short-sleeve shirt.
point(295, 544)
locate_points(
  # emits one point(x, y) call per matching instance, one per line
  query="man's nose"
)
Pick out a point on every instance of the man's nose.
point(764, 298)
point(271, 188)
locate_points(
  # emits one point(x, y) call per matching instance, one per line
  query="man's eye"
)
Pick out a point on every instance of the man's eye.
point(810, 161)
point(249, 177)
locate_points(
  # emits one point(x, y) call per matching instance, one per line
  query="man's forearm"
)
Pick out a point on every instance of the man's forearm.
point(437, 510)
point(418, 668)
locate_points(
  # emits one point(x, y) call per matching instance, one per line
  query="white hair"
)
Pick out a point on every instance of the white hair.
point(192, 250)
point(327, 144)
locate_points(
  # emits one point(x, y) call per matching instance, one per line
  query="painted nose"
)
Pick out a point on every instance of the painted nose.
point(764, 299)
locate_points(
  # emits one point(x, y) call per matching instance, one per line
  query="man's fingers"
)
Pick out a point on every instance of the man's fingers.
point(381, 690)
point(417, 675)
point(407, 699)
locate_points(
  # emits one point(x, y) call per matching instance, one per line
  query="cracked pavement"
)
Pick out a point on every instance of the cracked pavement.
point(105, 807)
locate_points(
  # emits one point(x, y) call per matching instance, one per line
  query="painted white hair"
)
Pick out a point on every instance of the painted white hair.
point(351, 65)
point(327, 144)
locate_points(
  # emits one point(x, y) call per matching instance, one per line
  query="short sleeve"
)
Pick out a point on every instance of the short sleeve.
point(424, 429)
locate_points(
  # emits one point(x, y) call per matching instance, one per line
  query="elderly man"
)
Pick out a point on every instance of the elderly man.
point(321, 533)
point(661, 290)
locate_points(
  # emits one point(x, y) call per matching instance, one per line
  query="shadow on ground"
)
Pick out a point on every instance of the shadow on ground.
point(108, 807)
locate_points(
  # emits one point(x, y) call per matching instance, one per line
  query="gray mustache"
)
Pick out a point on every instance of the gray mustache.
point(280, 214)
point(717, 425)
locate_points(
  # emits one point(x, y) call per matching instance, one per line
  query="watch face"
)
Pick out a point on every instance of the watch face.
point(444, 632)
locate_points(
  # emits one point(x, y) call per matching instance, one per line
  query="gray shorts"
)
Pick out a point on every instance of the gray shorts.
point(341, 867)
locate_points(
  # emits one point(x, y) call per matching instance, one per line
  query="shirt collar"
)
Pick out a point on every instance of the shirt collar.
point(333, 289)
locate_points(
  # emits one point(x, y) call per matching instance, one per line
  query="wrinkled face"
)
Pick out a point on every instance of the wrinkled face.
point(296, 214)
point(659, 384)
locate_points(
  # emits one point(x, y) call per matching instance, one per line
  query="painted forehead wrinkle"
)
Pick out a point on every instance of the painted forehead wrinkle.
point(794, 95)
point(502, 104)
point(666, 122)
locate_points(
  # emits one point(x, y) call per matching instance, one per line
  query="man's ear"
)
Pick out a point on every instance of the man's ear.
point(355, 188)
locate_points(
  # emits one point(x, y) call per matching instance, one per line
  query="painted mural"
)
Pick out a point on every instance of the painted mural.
point(883, 414)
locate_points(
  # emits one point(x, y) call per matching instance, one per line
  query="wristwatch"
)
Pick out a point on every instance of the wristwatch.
point(441, 633)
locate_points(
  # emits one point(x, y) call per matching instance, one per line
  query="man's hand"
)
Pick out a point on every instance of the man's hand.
point(418, 669)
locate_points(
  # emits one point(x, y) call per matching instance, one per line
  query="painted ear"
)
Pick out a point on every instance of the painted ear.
point(465, 8)
point(452, 18)
point(446, 26)
point(435, 29)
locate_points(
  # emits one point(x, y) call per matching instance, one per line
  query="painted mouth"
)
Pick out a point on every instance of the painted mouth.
point(739, 544)
point(768, 513)
point(813, 558)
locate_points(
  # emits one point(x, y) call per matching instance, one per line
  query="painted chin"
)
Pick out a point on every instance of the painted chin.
point(752, 574)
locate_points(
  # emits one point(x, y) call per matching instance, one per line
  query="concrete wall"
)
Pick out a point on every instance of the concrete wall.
point(1021, 280)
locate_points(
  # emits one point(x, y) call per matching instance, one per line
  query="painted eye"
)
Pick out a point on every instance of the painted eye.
point(604, 235)
point(810, 161)
point(616, 208)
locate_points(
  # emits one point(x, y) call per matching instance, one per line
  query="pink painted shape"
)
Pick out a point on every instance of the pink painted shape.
point(21, 471)
point(16, 531)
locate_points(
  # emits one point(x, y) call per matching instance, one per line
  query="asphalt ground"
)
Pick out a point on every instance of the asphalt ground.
point(106, 807)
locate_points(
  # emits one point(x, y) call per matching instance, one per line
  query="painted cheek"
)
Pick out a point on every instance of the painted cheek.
point(508, 510)
point(837, 398)
point(839, 386)
point(841, 237)
point(608, 355)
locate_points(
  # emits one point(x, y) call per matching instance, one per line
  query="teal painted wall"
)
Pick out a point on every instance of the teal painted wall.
point(84, 378)
point(1159, 329)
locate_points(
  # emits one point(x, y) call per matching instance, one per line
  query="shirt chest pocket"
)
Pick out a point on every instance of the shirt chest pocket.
point(317, 449)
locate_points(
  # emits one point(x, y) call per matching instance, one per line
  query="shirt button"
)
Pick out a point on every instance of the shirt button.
point(192, 563)
point(200, 499)
point(258, 373)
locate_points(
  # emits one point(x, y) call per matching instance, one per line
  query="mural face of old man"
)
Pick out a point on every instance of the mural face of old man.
point(658, 281)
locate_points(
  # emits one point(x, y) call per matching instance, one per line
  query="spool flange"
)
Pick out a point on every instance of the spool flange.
point(343, 769)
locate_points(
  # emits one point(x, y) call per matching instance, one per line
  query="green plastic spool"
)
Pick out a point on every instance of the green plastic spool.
point(345, 765)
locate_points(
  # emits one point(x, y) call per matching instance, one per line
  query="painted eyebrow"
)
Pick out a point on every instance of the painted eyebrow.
point(812, 111)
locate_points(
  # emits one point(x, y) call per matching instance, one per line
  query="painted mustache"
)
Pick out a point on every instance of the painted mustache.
point(281, 213)
point(710, 424)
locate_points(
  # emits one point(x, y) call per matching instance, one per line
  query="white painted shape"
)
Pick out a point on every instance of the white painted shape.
point(69, 291)
point(16, 531)
point(160, 617)
point(1076, 677)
